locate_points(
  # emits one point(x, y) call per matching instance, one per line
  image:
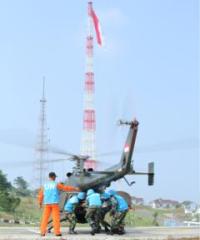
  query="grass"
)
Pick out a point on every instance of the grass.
point(144, 216)
point(28, 210)
point(133, 218)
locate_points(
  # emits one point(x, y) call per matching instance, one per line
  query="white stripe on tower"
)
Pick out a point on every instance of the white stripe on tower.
point(88, 144)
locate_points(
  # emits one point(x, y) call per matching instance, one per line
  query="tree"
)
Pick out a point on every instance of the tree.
point(21, 187)
point(155, 219)
point(4, 184)
point(7, 201)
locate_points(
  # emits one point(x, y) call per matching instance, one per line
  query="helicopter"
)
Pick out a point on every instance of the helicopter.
point(85, 179)
point(100, 180)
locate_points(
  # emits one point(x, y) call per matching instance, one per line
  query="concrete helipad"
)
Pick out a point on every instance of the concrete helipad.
point(160, 233)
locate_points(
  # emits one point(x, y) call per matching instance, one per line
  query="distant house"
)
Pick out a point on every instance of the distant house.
point(197, 210)
point(162, 203)
point(190, 207)
point(137, 201)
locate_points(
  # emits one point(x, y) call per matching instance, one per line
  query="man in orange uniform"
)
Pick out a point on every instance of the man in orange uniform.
point(49, 196)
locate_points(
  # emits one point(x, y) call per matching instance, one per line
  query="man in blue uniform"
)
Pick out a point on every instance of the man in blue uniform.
point(106, 207)
point(94, 204)
point(49, 196)
point(69, 209)
point(118, 213)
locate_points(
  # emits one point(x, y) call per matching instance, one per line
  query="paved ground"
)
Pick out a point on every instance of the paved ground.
point(30, 233)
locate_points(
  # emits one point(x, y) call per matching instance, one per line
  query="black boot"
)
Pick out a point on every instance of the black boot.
point(71, 231)
point(93, 229)
point(93, 232)
point(107, 230)
point(121, 231)
point(98, 230)
point(113, 231)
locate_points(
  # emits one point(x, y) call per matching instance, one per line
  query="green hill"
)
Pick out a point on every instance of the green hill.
point(28, 211)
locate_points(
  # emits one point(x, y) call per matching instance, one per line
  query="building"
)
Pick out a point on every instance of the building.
point(137, 201)
point(162, 203)
point(190, 207)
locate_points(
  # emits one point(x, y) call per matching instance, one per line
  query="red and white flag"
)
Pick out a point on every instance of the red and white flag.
point(97, 26)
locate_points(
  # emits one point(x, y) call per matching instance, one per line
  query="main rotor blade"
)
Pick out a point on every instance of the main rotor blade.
point(106, 154)
point(57, 160)
point(55, 150)
point(24, 139)
point(29, 163)
point(17, 137)
point(184, 144)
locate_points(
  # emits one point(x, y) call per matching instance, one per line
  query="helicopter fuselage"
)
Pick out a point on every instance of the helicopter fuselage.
point(100, 180)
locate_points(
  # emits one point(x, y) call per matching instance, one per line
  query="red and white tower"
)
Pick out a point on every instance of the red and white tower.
point(88, 144)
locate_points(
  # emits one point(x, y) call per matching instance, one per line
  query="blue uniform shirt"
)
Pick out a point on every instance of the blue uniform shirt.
point(94, 200)
point(121, 203)
point(71, 203)
point(51, 193)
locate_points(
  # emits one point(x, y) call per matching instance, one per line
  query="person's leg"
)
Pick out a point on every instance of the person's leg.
point(97, 219)
point(122, 222)
point(45, 218)
point(105, 224)
point(67, 217)
point(115, 221)
point(62, 219)
point(73, 221)
point(89, 216)
point(91, 219)
point(102, 216)
point(50, 225)
point(56, 218)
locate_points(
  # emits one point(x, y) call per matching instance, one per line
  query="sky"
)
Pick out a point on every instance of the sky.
point(148, 69)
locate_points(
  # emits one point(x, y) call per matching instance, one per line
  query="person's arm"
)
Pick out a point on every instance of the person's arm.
point(62, 187)
point(83, 204)
point(113, 206)
point(87, 202)
point(40, 197)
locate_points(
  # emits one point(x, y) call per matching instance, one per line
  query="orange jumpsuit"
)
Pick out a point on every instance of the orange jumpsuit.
point(52, 208)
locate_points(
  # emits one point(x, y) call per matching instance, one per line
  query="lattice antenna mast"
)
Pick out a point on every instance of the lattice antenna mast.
point(88, 144)
point(41, 148)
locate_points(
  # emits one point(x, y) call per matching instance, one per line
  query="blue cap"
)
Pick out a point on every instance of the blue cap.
point(90, 191)
point(81, 195)
point(105, 196)
point(112, 192)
